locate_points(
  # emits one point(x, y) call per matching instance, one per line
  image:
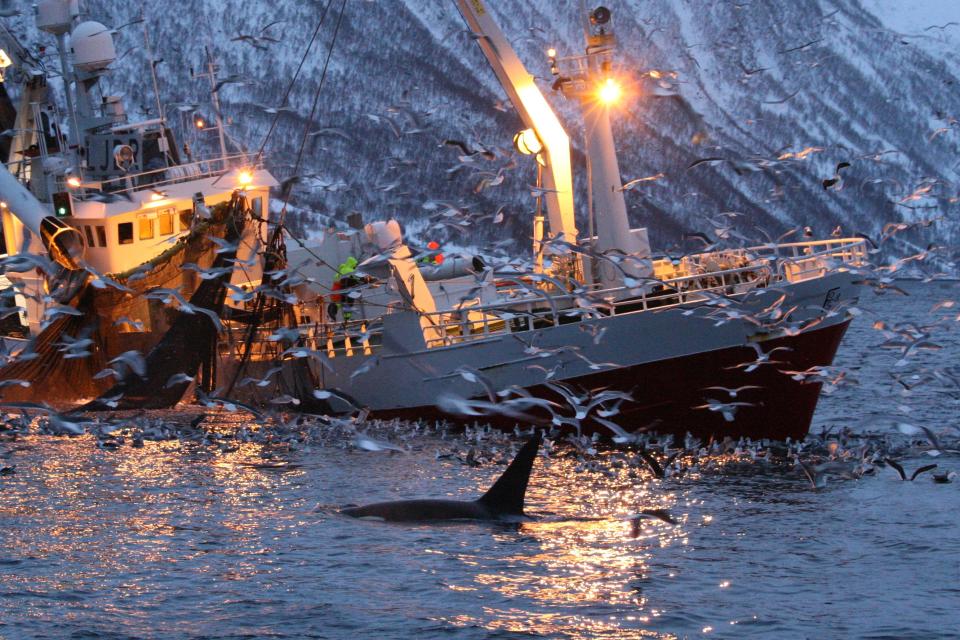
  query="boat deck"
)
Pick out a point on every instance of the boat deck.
point(524, 306)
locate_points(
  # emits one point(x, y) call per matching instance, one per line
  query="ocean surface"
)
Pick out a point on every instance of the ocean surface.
point(230, 530)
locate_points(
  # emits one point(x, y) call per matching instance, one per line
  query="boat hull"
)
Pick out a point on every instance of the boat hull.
point(666, 393)
point(666, 360)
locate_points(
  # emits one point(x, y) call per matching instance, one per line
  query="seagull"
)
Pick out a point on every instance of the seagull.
point(177, 378)
point(230, 79)
point(945, 477)
point(818, 479)
point(474, 376)
point(762, 358)
point(619, 435)
point(903, 474)
point(733, 392)
point(659, 470)
point(132, 360)
point(727, 409)
point(368, 443)
point(908, 429)
point(652, 514)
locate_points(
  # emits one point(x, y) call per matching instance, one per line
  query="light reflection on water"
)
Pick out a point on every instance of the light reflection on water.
point(182, 539)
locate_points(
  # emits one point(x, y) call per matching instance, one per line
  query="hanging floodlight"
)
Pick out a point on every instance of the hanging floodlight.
point(528, 142)
point(600, 16)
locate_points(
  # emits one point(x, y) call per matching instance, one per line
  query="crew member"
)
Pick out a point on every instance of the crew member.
point(436, 259)
point(346, 279)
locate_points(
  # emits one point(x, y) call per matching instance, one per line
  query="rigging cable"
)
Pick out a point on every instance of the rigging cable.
point(293, 81)
point(275, 249)
point(313, 109)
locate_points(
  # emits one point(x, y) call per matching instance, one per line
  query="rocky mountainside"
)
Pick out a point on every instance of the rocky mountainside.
point(775, 94)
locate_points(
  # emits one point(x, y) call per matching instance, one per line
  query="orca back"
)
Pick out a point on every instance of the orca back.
point(506, 495)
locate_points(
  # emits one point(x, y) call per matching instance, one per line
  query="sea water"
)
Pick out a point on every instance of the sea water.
point(194, 538)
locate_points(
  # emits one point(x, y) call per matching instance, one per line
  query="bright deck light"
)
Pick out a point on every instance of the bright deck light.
point(245, 178)
point(610, 91)
point(73, 182)
point(5, 62)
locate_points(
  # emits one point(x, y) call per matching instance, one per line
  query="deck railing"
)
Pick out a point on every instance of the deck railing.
point(179, 173)
point(799, 261)
point(531, 309)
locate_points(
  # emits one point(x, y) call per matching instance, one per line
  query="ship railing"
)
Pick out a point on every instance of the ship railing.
point(316, 341)
point(177, 174)
point(20, 169)
point(232, 348)
point(800, 261)
point(530, 311)
point(551, 310)
point(473, 321)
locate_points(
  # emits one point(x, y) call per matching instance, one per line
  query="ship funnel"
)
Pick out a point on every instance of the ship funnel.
point(63, 242)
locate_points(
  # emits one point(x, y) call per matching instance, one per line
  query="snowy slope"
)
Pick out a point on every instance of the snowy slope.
point(928, 21)
point(856, 81)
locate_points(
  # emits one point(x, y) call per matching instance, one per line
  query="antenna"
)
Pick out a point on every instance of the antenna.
point(215, 99)
point(153, 66)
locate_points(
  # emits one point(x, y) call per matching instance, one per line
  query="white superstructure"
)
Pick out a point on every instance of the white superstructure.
point(92, 188)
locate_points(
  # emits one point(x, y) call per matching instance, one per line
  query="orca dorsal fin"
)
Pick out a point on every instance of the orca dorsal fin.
point(506, 495)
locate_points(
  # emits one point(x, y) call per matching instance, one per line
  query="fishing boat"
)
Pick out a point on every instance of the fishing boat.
point(601, 334)
point(123, 251)
point(111, 230)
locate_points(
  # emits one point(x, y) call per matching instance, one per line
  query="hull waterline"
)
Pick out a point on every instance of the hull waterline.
point(666, 392)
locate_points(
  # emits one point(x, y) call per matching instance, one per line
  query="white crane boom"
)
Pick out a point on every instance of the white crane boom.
point(64, 243)
point(535, 113)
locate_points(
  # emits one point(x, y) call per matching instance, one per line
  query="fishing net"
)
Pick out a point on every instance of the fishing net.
point(189, 345)
point(44, 371)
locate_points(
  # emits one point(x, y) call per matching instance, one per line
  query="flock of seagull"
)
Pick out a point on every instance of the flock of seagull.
point(840, 455)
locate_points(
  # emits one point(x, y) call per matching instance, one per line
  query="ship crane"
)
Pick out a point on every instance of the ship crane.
point(536, 114)
point(588, 79)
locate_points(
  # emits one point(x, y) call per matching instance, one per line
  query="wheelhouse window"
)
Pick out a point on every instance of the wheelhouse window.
point(165, 221)
point(256, 206)
point(146, 226)
point(88, 231)
point(186, 218)
point(102, 235)
point(125, 232)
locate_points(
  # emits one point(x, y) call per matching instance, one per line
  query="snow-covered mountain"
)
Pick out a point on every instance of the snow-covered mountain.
point(781, 90)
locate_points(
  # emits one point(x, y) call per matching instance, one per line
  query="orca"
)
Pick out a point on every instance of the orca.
point(503, 500)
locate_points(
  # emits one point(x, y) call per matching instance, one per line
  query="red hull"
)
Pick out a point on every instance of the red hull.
point(666, 391)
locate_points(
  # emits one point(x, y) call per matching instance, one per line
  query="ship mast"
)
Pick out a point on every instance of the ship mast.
point(212, 70)
point(590, 79)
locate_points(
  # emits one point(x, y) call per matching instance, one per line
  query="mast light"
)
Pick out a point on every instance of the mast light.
point(610, 92)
